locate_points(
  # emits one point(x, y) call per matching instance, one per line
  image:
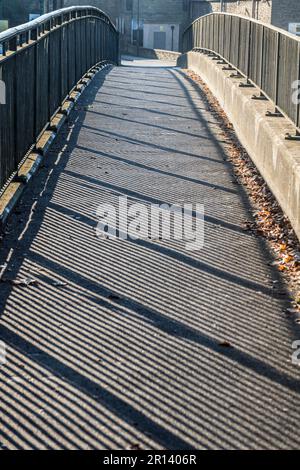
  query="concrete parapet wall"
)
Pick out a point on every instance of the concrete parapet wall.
point(159, 54)
point(277, 159)
point(166, 55)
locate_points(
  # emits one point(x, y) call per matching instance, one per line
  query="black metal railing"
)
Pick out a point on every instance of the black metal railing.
point(268, 57)
point(40, 63)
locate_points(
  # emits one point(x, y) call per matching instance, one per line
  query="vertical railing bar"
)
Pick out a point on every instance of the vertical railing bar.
point(34, 37)
point(13, 47)
point(277, 68)
point(238, 42)
point(48, 73)
point(297, 120)
point(262, 56)
point(249, 48)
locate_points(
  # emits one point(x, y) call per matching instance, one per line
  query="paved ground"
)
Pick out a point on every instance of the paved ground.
point(118, 344)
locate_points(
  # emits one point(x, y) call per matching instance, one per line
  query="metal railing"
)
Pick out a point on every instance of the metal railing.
point(40, 64)
point(267, 56)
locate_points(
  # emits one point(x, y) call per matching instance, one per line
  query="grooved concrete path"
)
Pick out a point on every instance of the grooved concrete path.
point(118, 343)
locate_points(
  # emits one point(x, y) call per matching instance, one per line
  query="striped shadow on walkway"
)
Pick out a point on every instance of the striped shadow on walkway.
point(118, 344)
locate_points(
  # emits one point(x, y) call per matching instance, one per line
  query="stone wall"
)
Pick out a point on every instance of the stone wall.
point(153, 53)
point(261, 9)
point(50, 5)
point(278, 12)
point(111, 7)
point(203, 7)
point(164, 11)
point(151, 11)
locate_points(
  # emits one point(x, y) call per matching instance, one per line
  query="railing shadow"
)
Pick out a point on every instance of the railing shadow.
point(119, 344)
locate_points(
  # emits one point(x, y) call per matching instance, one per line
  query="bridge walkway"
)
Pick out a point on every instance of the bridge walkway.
point(142, 344)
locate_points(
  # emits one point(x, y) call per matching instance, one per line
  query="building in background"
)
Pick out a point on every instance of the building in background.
point(163, 23)
point(282, 13)
point(16, 12)
point(159, 24)
point(145, 23)
point(51, 5)
point(286, 15)
point(111, 7)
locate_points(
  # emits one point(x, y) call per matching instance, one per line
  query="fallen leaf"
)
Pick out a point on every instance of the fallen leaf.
point(288, 259)
point(268, 218)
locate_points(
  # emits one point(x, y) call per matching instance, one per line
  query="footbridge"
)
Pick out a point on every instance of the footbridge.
point(138, 342)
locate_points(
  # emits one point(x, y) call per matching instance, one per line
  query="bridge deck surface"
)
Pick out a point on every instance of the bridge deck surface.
point(119, 343)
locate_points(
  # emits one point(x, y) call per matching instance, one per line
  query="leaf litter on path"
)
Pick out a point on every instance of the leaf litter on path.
point(269, 221)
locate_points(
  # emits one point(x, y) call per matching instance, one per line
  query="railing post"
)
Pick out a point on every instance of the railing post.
point(230, 36)
point(277, 68)
point(262, 56)
point(49, 74)
point(12, 46)
point(297, 120)
point(61, 88)
point(238, 42)
point(34, 37)
point(249, 50)
point(118, 61)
